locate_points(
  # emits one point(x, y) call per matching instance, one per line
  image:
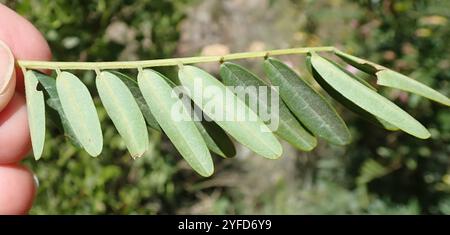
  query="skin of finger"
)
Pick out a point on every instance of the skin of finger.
point(15, 140)
point(26, 43)
point(17, 187)
point(7, 75)
point(24, 40)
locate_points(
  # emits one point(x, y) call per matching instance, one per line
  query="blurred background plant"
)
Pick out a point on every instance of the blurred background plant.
point(381, 172)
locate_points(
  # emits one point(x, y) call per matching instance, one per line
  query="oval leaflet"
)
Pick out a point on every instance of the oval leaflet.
point(289, 128)
point(80, 111)
point(36, 113)
point(306, 104)
point(183, 133)
point(124, 112)
point(221, 105)
point(366, 98)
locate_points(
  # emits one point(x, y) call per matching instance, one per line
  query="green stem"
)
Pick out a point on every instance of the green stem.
point(55, 65)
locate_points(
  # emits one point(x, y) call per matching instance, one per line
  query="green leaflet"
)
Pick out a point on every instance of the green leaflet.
point(390, 78)
point(80, 111)
point(53, 102)
point(215, 137)
point(183, 133)
point(306, 104)
point(397, 80)
point(347, 103)
point(289, 128)
point(124, 112)
point(359, 63)
point(36, 113)
point(371, 170)
point(366, 98)
point(228, 111)
point(359, 79)
point(134, 88)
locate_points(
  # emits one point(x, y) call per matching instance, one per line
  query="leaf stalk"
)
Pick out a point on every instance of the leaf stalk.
point(57, 65)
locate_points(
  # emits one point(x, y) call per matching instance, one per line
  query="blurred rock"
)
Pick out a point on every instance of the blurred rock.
point(215, 50)
point(119, 32)
point(257, 46)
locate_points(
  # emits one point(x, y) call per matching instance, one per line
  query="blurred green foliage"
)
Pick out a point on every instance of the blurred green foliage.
point(411, 37)
point(379, 173)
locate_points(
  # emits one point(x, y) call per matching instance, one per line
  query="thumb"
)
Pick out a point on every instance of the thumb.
point(7, 75)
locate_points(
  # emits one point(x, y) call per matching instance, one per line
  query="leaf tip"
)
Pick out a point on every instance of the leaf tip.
point(136, 156)
point(424, 135)
point(207, 173)
point(276, 153)
point(310, 146)
point(94, 151)
point(206, 170)
point(342, 140)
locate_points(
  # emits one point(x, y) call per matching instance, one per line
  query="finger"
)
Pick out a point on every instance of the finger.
point(14, 132)
point(17, 189)
point(24, 40)
point(7, 75)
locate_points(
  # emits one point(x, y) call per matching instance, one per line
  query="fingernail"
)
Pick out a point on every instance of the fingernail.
point(7, 75)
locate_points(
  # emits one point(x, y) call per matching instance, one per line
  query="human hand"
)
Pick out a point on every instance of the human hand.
point(19, 39)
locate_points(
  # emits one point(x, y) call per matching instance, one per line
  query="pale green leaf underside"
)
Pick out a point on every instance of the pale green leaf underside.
point(183, 133)
point(80, 111)
point(348, 103)
point(124, 112)
point(215, 137)
point(134, 88)
point(366, 98)
point(49, 84)
point(390, 78)
point(306, 104)
point(359, 79)
point(253, 134)
point(289, 128)
point(36, 113)
point(397, 80)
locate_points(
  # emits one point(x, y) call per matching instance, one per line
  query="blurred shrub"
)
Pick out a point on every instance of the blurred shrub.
point(411, 37)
